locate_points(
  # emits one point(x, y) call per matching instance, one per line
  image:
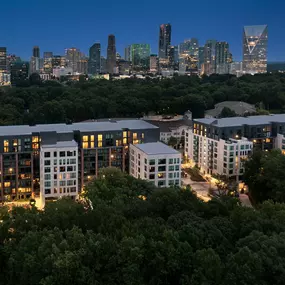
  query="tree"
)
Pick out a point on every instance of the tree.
point(173, 141)
point(227, 112)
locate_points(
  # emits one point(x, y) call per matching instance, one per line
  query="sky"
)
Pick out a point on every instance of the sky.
point(54, 25)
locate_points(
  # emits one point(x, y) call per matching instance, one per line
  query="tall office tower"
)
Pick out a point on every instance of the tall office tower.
point(223, 58)
point(128, 53)
point(153, 63)
point(58, 61)
point(94, 64)
point(36, 51)
point(47, 65)
point(111, 54)
point(124, 67)
point(176, 55)
point(140, 56)
point(189, 56)
point(255, 40)
point(19, 72)
point(103, 64)
point(73, 55)
point(164, 40)
point(210, 57)
point(82, 65)
point(201, 59)
point(3, 59)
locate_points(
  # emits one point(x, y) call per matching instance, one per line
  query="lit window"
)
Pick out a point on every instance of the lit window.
point(100, 140)
point(6, 146)
point(142, 135)
point(135, 136)
point(85, 145)
point(85, 138)
point(92, 144)
point(125, 134)
point(92, 138)
point(7, 184)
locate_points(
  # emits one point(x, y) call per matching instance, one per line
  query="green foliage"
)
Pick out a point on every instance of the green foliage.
point(264, 174)
point(227, 112)
point(171, 237)
point(53, 102)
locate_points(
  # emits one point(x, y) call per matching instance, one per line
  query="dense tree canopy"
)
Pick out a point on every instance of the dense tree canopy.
point(264, 175)
point(118, 237)
point(52, 102)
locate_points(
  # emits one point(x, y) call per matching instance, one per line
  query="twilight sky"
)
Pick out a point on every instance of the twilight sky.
point(58, 24)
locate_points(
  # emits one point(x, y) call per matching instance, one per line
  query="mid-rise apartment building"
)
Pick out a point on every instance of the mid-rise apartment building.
point(49, 158)
point(220, 146)
point(156, 162)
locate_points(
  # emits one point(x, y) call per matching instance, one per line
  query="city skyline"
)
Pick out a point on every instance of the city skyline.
point(87, 30)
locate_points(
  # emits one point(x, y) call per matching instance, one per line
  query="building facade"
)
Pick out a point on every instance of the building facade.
point(164, 40)
point(140, 54)
point(210, 57)
point(73, 56)
point(157, 163)
point(94, 63)
point(99, 144)
point(223, 58)
point(206, 140)
point(111, 54)
point(153, 63)
point(255, 40)
point(19, 72)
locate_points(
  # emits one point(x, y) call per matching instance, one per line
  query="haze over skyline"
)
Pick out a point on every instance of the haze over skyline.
point(56, 25)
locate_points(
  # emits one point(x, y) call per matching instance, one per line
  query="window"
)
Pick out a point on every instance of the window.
point(171, 168)
point(152, 162)
point(152, 169)
point(170, 161)
point(161, 183)
point(142, 135)
point(161, 175)
point(69, 168)
point(47, 191)
point(100, 140)
point(47, 170)
point(55, 154)
point(176, 167)
point(62, 168)
point(47, 154)
point(62, 153)
point(161, 168)
point(35, 143)
point(47, 183)
point(151, 176)
point(170, 175)
point(135, 136)
point(145, 161)
point(47, 162)
point(47, 176)
point(6, 146)
point(170, 182)
point(162, 161)
point(177, 182)
point(62, 183)
point(85, 142)
point(92, 140)
point(7, 184)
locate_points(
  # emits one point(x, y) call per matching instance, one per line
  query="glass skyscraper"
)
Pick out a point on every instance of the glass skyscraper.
point(140, 56)
point(94, 63)
point(223, 58)
point(255, 40)
point(111, 54)
point(164, 40)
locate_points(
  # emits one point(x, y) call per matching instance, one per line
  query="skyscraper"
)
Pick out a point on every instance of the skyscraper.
point(103, 64)
point(153, 63)
point(223, 58)
point(111, 54)
point(140, 56)
point(3, 59)
point(128, 53)
point(19, 72)
point(36, 51)
point(189, 56)
point(94, 64)
point(201, 59)
point(210, 57)
point(255, 40)
point(164, 40)
point(73, 56)
point(47, 66)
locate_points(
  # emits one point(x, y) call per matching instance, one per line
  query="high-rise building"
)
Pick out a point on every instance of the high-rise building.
point(82, 65)
point(164, 40)
point(140, 56)
point(128, 53)
point(153, 63)
point(58, 61)
point(3, 59)
point(47, 64)
point(73, 56)
point(223, 58)
point(255, 40)
point(103, 64)
point(236, 68)
point(94, 65)
point(19, 71)
point(36, 51)
point(189, 56)
point(111, 54)
point(124, 67)
point(201, 59)
point(176, 55)
point(210, 57)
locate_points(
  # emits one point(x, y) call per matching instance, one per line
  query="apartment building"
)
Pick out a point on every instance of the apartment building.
point(59, 159)
point(156, 162)
point(220, 146)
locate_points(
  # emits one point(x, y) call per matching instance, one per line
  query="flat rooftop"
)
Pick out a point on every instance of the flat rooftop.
point(239, 121)
point(61, 144)
point(156, 148)
point(110, 125)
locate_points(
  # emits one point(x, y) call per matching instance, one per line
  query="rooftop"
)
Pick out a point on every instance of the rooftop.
point(156, 148)
point(110, 125)
point(61, 144)
point(239, 121)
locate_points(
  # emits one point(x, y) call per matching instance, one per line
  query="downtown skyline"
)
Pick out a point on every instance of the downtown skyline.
point(86, 30)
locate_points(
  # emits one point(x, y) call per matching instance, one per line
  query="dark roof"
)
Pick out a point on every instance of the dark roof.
point(166, 126)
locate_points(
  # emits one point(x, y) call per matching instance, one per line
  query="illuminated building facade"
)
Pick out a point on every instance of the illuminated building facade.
point(19, 71)
point(255, 40)
point(59, 159)
point(210, 57)
point(223, 58)
point(189, 56)
point(164, 40)
point(153, 63)
point(140, 56)
point(47, 65)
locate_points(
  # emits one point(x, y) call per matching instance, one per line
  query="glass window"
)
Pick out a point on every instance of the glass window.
point(176, 167)
point(6, 146)
point(162, 161)
point(152, 162)
point(62, 154)
point(47, 154)
point(170, 161)
point(170, 175)
point(171, 168)
point(232, 147)
point(85, 138)
point(135, 136)
point(100, 140)
point(161, 168)
point(161, 183)
point(47, 176)
point(47, 162)
point(47, 169)
point(145, 161)
point(151, 176)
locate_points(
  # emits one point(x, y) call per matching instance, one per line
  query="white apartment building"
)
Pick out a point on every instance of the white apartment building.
point(58, 170)
point(156, 162)
point(280, 142)
point(223, 157)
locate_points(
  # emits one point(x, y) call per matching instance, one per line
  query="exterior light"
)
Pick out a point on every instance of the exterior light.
point(10, 169)
point(112, 156)
point(88, 177)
